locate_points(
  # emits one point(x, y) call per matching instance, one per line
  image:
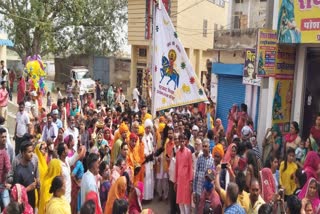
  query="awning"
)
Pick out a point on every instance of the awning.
point(227, 69)
point(6, 42)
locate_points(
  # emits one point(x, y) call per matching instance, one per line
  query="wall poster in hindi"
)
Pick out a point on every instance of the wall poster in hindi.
point(250, 76)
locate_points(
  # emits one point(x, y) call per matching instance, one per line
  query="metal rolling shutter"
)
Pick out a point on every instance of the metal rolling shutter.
point(230, 91)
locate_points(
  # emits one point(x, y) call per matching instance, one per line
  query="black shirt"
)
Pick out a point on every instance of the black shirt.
point(25, 175)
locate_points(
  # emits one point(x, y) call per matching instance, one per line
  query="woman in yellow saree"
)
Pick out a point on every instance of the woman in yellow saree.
point(41, 152)
point(117, 191)
point(54, 169)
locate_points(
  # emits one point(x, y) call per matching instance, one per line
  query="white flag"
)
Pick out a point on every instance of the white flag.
point(174, 81)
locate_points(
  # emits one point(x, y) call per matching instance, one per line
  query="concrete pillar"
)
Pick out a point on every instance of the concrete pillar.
point(198, 62)
point(299, 85)
point(265, 112)
point(133, 71)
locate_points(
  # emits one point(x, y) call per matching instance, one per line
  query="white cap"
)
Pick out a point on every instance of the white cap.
point(195, 128)
point(246, 130)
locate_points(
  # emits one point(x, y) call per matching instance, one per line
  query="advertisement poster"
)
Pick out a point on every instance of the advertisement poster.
point(285, 61)
point(266, 52)
point(249, 74)
point(282, 101)
point(299, 21)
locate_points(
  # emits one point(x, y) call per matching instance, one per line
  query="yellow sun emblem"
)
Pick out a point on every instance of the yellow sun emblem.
point(163, 100)
point(186, 88)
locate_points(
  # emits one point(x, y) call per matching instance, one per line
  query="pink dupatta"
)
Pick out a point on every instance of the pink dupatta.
point(268, 185)
point(315, 201)
point(19, 194)
point(311, 164)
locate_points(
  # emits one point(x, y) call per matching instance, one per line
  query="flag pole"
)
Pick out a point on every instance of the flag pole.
point(152, 46)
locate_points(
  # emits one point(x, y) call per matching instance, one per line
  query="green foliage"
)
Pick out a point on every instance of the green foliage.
point(64, 26)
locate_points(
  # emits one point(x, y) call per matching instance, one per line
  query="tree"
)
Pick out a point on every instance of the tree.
point(64, 26)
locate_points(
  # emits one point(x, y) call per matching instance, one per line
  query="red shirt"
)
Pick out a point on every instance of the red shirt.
point(5, 165)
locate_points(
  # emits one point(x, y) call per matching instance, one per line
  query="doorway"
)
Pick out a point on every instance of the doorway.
point(312, 90)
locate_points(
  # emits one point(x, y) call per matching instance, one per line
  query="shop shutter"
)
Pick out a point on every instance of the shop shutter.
point(230, 91)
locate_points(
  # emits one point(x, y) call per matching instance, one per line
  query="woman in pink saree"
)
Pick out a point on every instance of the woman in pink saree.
point(311, 165)
point(310, 192)
point(232, 117)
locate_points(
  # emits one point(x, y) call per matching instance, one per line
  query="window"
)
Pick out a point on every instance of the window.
point(239, 1)
point(205, 28)
point(236, 20)
point(142, 52)
point(216, 27)
point(139, 77)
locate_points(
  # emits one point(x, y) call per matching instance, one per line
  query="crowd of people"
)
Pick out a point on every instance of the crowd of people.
point(81, 154)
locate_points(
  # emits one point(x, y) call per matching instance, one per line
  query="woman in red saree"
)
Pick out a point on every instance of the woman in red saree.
point(21, 90)
point(231, 156)
point(94, 197)
point(19, 194)
point(135, 199)
point(292, 139)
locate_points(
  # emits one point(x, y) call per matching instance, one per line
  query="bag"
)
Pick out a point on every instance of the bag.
point(207, 208)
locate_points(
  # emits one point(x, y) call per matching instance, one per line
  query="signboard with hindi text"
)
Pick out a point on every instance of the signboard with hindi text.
point(266, 52)
point(299, 21)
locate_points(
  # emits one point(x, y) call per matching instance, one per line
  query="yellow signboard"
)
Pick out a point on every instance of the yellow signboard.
point(282, 101)
point(299, 21)
point(285, 60)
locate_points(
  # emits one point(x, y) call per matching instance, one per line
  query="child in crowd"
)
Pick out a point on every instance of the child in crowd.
point(300, 153)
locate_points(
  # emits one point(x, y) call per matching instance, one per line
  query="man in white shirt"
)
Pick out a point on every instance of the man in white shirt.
point(22, 126)
point(135, 106)
point(88, 182)
point(174, 208)
point(66, 163)
point(72, 130)
point(50, 130)
point(135, 94)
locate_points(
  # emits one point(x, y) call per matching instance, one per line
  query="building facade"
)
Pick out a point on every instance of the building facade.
point(194, 22)
point(245, 17)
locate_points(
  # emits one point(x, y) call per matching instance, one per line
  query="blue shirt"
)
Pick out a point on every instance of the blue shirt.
point(78, 170)
point(212, 144)
point(234, 208)
point(73, 112)
point(58, 123)
point(203, 163)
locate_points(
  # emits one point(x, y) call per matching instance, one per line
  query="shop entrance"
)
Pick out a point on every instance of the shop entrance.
point(312, 90)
